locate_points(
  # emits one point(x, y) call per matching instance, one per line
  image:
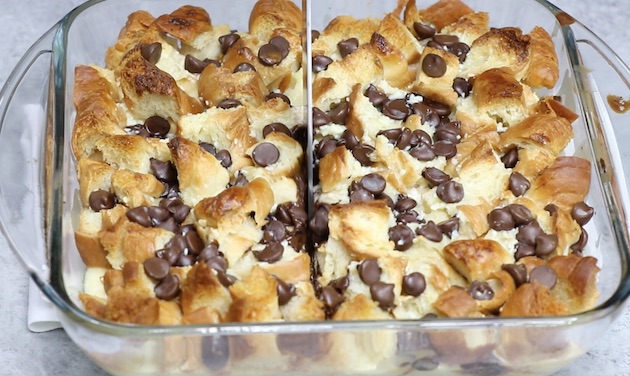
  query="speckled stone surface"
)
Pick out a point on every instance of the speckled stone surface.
point(52, 353)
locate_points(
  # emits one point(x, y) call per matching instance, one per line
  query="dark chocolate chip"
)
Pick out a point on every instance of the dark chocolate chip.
point(383, 294)
point(244, 67)
point(362, 154)
point(194, 244)
point(227, 41)
point(331, 297)
point(276, 127)
point(435, 176)
point(434, 65)
point(285, 291)
point(431, 231)
point(551, 209)
point(185, 260)
point(269, 55)
point(373, 183)
point(326, 146)
point(582, 213)
point(481, 290)
point(445, 149)
point(518, 184)
point(544, 275)
point(229, 103)
point(274, 230)
point(320, 118)
point(194, 65)
point(510, 158)
point(170, 254)
point(423, 152)
point(445, 39)
point(314, 35)
point(407, 217)
point(298, 216)
point(369, 271)
point(581, 243)
point(151, 52)
point(224, 157)
point(217, 263)
point(157, 215)
point(209, 251)
point(339, 112)
point(215, 351)
point(101, 200)
point(272, 253)
point(442, 109)
point(321, 63)
point(348, 46)
point(518, 272)
point(449, 226)
point(282, 44)
point(208, 147)
point(396, 109)
point(524, 250)
point(391, 134)
point(164, 171)
point(427, 114)
point(138, 130)
point(273, 95)
point(157, 126)
point(527, 234)
point(405, 203)
point(225, 279)
point(413, 284)
point(462, 87)
point(167, 288)
point(501, 219)
point(423, 31)
point(521, 214)
point(404, 139)
point(156, 267)
point(375, 96)
point(450, 192)
point(140, 216)
point(360, 195)
point(402, 236)
point(448, 132)
point(169, 225)
point(351, 141)
point(240, 180)
point(460, 50)
point(546, 244)
point(265, 154)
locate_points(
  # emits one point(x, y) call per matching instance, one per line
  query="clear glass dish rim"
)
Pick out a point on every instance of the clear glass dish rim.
point(55, 290)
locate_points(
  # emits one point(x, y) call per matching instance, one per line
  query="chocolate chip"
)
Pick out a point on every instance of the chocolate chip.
point(435, 176)
point(383, 294)
point(217, 263)
point(185, 260)
point(445, 149)
point(225, 279)
point(169, 225)
point(163, 171)
point(427, 114)
point(449, 132)
point(170, 254)
point(269, 55)
point(156, 267)
point(546, 244)
point(229, 103)
point(320, 118)
point(391, 134)
point(449, 226)
point(350, 139)
point(518, 184)
point(396, 109)
point(298, 216)
point(340, 284)
point(274, 230)
point(157, 215)
point(431, 231)
point(101, 200)
point(194, 65)
point(581, 243)
point(524, 250)
point(405, 203)
point(434, 65)
point(180, 212)
point(413, 284)
point(427, 363)
point(265, 154)
point(362, 154)
point(551, 209)
point(442, 109)
point(481, 290)
point(157, 126)
point(510, 158)
point(319, 223)
point(348, 46)
point(208, 147)
point(151, 52)
point(518, 272)
point(404, 139)
point(445, 39)
point(423, 31)
point(527, 234)
point(215, 351)
point(244, 67)
point(321, 63)
point(450, 192)
point(422, 152)
point(373, 183)
point(194, 244)
point(332, 299)
point(167, 288)
point(339, 112)
point(462, 87)
point(227, 41)
point(402, 236)
point(240, 180)
point(140, 216)
point(521, 214)
point(285, 291)
point(375, 96)
point(282, 44)
point(273, 95)
point(501, 219)
point(543, 275)
point(582, 213)
point(224, 157)
point(326, 146)
point(138, 130)
point(314, 35)
point(460, 50)
point(272, 253)
point(209, 251)
point(360, 194)
point(369, 271)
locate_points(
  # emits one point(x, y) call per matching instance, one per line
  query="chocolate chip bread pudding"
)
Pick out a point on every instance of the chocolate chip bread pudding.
point(441, 183)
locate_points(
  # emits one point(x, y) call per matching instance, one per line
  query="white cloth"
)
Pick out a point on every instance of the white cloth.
point(42, 314)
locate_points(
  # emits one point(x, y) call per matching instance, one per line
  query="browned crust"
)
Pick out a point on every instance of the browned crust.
point(185, 23)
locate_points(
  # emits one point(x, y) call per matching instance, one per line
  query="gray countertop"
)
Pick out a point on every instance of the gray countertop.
point(52, 353)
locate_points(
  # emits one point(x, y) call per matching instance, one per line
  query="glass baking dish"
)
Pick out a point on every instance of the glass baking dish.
point(38, 210)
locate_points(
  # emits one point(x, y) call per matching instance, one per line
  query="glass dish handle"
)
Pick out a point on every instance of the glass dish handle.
point(24, 124)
